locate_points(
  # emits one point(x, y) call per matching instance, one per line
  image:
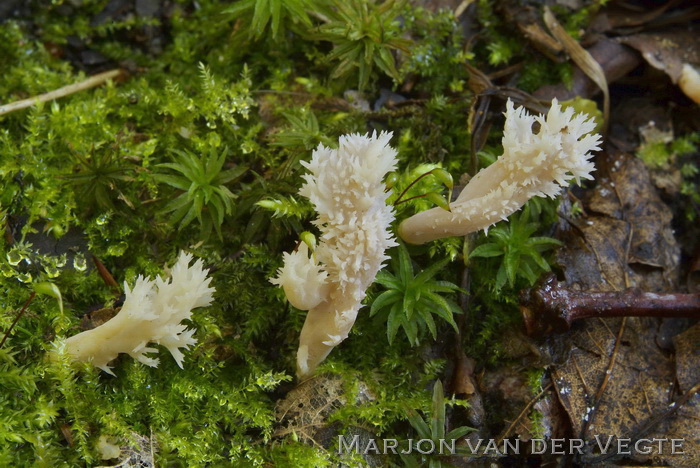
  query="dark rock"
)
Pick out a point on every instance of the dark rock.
point(112, 10)
point(387, 98)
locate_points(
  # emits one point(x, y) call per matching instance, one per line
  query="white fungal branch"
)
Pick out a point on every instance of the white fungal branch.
point(152, 313)
point(303, 280)
point(532, 164)
point(346, 188)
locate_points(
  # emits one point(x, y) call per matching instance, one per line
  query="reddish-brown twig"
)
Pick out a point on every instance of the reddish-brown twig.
point(549, 307)
point(19, 316)
point(106, 276)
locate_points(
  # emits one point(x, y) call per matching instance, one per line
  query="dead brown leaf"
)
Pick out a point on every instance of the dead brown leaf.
point(306, 409)
point(583, 59)
point(616, 61)
point(667, 50)
point(687, 346)
point(640, 388)
point(628, 240)
point(618, 381)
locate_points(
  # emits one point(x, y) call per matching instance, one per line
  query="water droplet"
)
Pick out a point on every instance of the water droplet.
point(79, 262)
point(52, 271)
point(25, 277)
point(246, 148)
point(14, 257)
point(117, 249)
point(7, 270)
point(103, 219)
point(60, 262)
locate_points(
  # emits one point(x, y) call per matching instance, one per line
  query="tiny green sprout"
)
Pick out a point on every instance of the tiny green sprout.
point(576, 210)
point(520, 251)
point(411, 300)
point(309, 239)
point(205, 196)
point(259, 14)
point(363, 35)
point(97, 176)
point(433, 428)
point(303, 131)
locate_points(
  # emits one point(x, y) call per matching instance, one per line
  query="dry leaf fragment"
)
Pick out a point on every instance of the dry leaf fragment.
point(583, 59)
point(675, 52)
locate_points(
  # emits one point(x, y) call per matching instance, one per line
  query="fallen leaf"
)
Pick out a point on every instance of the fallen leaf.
point(628, 238)
point(667, 50)
point(617, 380)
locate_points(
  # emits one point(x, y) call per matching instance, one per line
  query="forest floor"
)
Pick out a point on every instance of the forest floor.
point(567, 335)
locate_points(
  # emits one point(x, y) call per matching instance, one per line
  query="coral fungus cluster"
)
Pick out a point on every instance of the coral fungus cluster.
point(152, 313)
point(346, 187)
point(532, 164)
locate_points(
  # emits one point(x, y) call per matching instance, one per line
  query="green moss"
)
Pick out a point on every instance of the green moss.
point(94, 174)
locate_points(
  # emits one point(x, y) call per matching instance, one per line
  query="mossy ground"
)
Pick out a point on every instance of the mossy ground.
point(83, 177)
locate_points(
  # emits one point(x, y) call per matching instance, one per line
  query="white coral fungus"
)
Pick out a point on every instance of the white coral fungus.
point(346, 188)
point(152, 312)
point(303, 280)
point(532, 164)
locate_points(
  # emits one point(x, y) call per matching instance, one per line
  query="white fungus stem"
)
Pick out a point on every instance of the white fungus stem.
point(532, 164)
point(152, 313)
point(346, 188)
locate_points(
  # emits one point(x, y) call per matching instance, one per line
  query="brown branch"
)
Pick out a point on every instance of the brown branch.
point(522, 414)
point(19, 315)
point(550, 307)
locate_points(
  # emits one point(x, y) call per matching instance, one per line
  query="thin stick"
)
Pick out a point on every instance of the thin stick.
point(411, 185)
point(549, 307)
point(523, 413)
point(606, 379)
point(19, 315)
point(61, 92)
